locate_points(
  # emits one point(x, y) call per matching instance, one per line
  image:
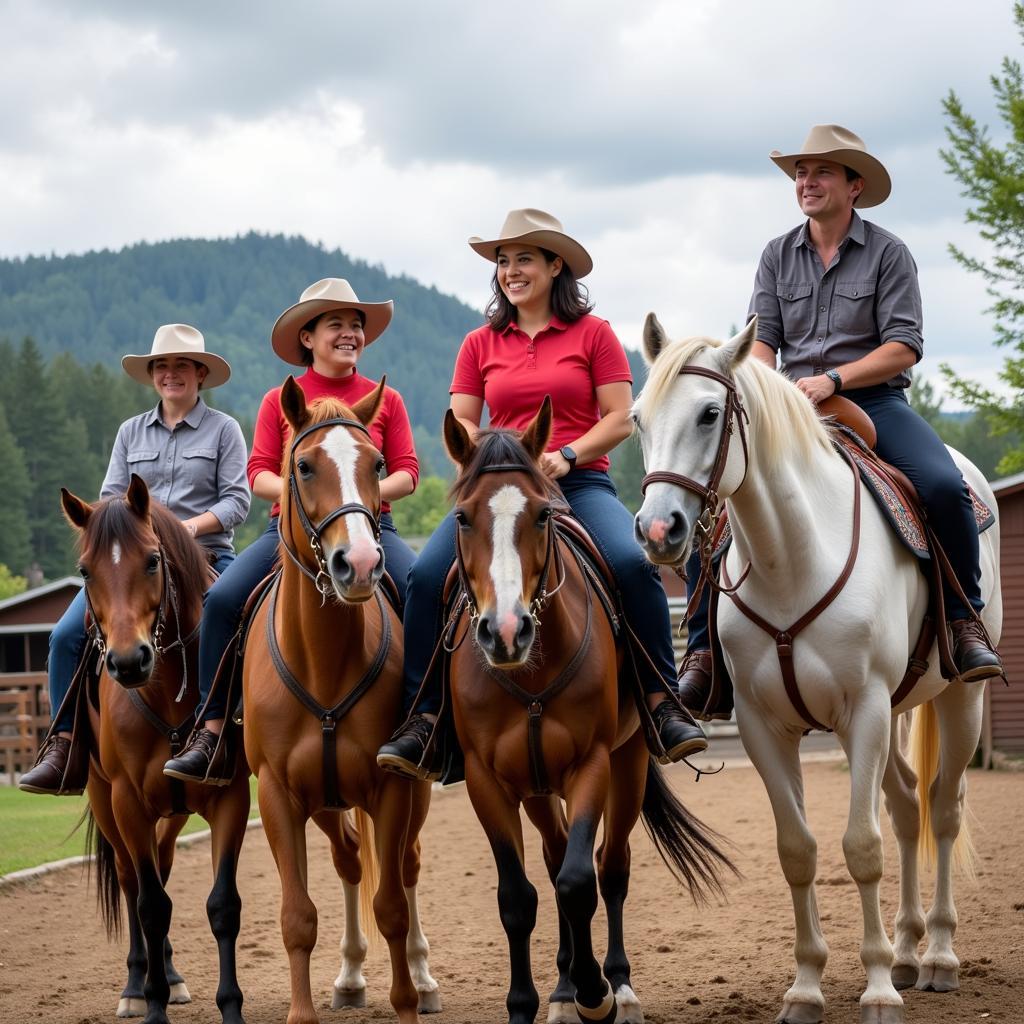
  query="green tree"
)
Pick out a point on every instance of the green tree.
point(10, 584)
point(418, 514)
point(992, 176)
point(15, 547)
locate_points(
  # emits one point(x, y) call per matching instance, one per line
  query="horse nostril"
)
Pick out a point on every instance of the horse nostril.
point(339, 565)
point(639, 535)
point(676, 532)
point(484, 633)
point(146, 658)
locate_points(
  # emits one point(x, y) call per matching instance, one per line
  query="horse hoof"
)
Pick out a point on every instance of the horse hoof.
point(629, 1010)
point(430, 1002)
point(563, 1013)
point(873, 1013)
point(348, 999)
point(938, 979)
point(130, 1006)
point(904, 976)
point(179, 994)
point(801, 1013)
point(605, 1013)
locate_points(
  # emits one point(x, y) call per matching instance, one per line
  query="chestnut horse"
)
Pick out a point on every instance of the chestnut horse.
point(144, 582)
point(541, 715)
point(327, 634)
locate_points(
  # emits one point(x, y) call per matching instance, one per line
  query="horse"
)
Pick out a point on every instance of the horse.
point(791, 502)
point(144, 581)
point(326, 634)
point(541, 717)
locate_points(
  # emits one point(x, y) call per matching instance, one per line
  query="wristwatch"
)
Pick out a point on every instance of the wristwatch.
point(833, 375)
point(569, 455)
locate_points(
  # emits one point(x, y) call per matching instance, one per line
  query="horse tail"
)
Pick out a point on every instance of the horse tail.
point(108, 885)
point(924, 753)
point(688, 847)
point(371, 874)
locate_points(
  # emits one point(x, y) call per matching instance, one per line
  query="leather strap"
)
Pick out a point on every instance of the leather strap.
point(176, 735)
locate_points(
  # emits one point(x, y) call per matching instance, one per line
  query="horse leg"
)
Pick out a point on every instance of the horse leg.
point(959, 709)
point(625, 800)
point(391, 815)
point(576, 885)
point(866, 742)
point(167, 832)
point(517, 898)
point(547, 816)
point(228, 817)
point(899, 786)
point(417, 947)
point(285, 828)
point(776, 756)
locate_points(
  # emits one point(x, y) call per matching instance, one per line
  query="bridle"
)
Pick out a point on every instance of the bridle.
point(322, 578)
point(735, 422)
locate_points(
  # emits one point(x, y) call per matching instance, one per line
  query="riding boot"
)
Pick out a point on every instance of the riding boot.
point(680, 735)
point(404, 753)
point(202, 760)
point(695, 683)
point(973, 654)
point(48, 773)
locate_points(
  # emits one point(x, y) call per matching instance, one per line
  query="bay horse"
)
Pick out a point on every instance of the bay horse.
point(327, 635)
point(144, 582)
point(541, 717)
point(791, 501)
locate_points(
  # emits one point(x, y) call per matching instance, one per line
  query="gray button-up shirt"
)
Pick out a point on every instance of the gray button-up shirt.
point(819, 318)
point(197, 467)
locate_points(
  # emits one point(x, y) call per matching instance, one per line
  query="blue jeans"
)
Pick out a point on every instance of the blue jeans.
point(910, 444)
point(67, 641)
point(226, 599)
point(594, 501)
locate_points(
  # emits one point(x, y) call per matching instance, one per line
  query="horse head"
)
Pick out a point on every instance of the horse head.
point(332, 492)
point(504, 538)
point(124, 548)
point(687, 416)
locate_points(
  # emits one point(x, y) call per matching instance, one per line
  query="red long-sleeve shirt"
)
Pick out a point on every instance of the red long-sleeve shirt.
point(391, 430)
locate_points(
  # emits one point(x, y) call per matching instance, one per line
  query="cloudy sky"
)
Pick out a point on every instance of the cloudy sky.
point(395, 130)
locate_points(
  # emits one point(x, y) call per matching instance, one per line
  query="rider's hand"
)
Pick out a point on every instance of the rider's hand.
point(818, 388)
point(554, 465)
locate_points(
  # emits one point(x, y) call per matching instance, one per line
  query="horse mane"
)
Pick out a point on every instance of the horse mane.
point(319, 410)
point(783, 421)
point(495, 448)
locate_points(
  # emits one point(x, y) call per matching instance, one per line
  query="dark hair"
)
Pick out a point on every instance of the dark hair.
point(310, 325)
point(499, 447)
point(851, 174)
point(569, 299)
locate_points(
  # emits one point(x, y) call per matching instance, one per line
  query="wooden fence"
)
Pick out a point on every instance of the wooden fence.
point(24, 719)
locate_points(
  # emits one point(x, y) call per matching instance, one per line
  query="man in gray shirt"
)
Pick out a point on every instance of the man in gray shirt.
point(837, 298)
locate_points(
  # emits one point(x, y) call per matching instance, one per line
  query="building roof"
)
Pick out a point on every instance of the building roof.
point(1008, 485)
point(27, 596)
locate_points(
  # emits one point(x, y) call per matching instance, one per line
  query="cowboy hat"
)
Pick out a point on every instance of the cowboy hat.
point(833, 142)
point(178, 340)
point(319, 298)
point(535, 227)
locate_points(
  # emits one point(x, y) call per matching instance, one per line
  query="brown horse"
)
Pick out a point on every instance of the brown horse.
point(327, 635)
point(541, 715)
point(144, 580)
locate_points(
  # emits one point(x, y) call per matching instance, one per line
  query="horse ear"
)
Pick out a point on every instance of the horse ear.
point(457, 440)
point(538, 433)
point(137, 496)
point(655, 338)
point(76, 510)
point(293, 404)
point(735, 350)
point(366, 409)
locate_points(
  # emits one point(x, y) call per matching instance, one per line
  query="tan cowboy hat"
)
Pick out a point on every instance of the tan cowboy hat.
point(833, 142)
point(535, 227)
point(321, 297)
point(178, 340)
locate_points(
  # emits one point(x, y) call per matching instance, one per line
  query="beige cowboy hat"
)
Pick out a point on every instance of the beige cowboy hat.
point(535, 227)
point(321, 297)
point(833, 142)
point(178, 340)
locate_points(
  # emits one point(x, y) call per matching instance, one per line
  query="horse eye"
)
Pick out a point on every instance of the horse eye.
point(83, 572)
point(380, 468)
point(544, 515)
point(460, 518)
point(152, 563)
point(709, 415)
point(304, 468)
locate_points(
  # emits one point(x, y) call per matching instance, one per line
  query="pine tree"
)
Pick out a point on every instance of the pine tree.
point(15, 547)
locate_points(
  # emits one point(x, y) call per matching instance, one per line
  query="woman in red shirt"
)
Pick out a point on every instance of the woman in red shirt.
point(325, 331)
point(541, 339)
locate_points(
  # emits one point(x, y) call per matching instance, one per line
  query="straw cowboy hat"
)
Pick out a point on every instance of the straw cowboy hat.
point(178, 340)
point(833, 142)
point(535, 227)
point(321, 297)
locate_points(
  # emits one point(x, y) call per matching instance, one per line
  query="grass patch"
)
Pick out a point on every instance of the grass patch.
point(36, 829)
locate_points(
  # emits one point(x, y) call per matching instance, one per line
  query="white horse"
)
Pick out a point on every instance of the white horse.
point(791, 509)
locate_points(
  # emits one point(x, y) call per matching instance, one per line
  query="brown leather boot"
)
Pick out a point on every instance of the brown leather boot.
point(973, 654)
point(695, 676)
point(47, 775)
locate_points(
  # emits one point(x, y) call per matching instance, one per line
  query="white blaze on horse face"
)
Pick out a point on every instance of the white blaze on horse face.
point(506, 568)
point(341, 448)
point(115, 552)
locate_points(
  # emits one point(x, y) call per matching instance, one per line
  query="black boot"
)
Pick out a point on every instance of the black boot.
point(972, 651)
point(47, 775)
point(197, 763)
point(680, 735)
point(403, 753)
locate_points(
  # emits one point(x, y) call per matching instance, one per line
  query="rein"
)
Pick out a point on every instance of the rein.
point(321, 578)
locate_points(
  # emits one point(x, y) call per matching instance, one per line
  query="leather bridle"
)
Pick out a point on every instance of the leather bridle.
point(322, 578)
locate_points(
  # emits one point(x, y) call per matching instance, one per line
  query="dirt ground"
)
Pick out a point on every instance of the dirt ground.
point(724, 963)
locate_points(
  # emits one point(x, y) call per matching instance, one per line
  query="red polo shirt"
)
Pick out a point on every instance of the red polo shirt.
point(513, 373)
point(390, 431)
